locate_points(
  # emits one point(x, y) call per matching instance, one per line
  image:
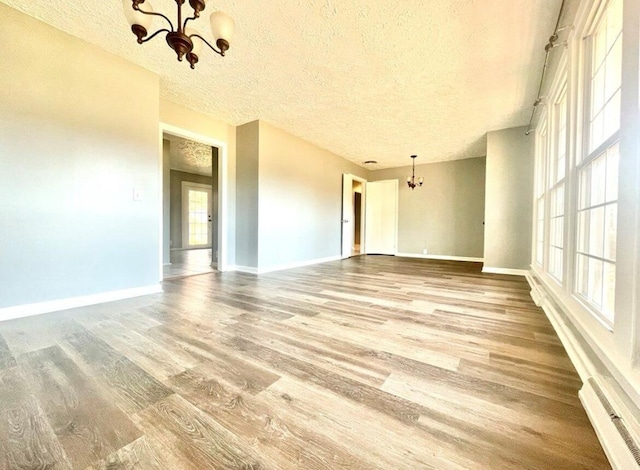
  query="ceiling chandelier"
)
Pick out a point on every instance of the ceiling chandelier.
point(411, 180)
point(184, 41)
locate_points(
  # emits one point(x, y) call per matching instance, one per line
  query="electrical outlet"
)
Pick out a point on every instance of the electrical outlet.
point(425, 252)
point(138, 194)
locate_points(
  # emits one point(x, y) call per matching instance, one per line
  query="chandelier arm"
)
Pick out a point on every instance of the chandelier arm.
point(191, 18)
point(208, 44)
point(163, 30)
point(154, 13)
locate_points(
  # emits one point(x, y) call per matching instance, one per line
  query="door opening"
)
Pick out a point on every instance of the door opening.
point(353, 215)
point(357, 219)
point(190, 213)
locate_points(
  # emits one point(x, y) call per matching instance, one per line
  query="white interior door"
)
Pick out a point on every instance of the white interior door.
point(347, 215)
point(381, 217)
point(196, 215)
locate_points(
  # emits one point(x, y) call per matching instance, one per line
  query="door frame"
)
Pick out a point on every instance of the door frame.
point(223, 191)
point(184, 202)
point(347, 208)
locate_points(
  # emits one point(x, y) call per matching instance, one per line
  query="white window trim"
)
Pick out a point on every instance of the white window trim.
point(541, 159)
point(559, 87)
point(583, 56)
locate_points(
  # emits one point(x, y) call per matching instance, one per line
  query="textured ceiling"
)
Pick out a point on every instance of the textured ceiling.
point(191, 157)
point(368, 80)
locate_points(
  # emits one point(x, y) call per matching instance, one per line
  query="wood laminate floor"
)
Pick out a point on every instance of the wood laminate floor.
point(189, 263)
point(367, 363)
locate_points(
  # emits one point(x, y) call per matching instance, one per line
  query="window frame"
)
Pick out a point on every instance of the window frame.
point(540, 185)
point(560, 92)
point(583, 157)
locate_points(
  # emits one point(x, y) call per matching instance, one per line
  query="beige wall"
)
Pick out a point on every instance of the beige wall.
point(293, 191)
point(300, 201)
point(247, 137)
point(78, 132)
point(508, 205)
point(445, 215)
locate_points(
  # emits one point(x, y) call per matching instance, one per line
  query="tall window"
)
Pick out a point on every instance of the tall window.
point(557, 166)
point(540, 187)
point(605, 76)
point(597, 170)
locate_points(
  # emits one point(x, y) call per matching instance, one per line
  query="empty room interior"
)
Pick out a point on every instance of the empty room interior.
point(320, 235)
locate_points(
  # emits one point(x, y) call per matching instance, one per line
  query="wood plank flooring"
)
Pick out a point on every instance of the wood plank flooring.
point(368, 363)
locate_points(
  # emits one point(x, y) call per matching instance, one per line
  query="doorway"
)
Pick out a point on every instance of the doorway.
point(353, 215)
point(190, 207)
point(358, 219)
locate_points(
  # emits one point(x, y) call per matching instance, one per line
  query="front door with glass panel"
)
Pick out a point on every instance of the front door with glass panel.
point(196, 215)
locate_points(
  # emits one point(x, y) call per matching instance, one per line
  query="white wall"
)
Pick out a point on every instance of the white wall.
point(445, 215)
point(508, 208)
point(627, 323)
point(78, 132)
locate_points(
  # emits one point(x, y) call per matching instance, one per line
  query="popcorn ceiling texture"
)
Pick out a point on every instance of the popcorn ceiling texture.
point(367, 80)
point(189, 156)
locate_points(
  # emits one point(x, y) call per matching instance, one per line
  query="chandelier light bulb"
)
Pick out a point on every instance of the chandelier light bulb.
point(135, 17)
point(222, 26)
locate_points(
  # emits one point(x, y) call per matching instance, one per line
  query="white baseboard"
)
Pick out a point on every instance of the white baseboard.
point(618, 453)
point(244, 269)
point(298, 264)
point(537, 292)
point(20, 311)
point(282, 267)
point(509, 271)
point(442, 257)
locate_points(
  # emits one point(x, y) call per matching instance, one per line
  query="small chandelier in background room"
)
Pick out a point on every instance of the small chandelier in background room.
point(185, 42)
point(411, 180)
